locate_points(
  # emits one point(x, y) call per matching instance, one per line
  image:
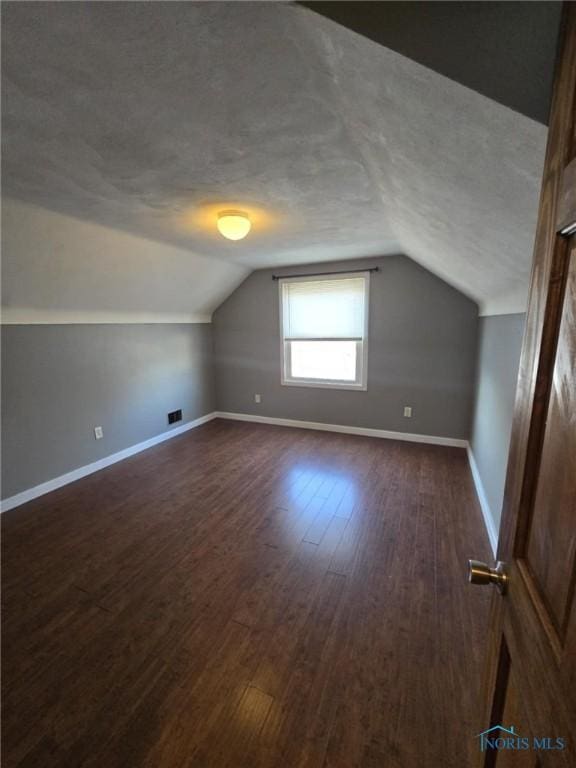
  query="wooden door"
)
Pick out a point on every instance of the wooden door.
point(530, 686)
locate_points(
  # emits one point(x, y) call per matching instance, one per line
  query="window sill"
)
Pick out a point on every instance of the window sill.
point(324, 385)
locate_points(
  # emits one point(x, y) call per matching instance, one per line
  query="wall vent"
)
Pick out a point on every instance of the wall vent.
point(174, 416)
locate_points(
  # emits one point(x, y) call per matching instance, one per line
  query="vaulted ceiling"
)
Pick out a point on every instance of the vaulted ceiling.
point(150, 117)
point(504, 49)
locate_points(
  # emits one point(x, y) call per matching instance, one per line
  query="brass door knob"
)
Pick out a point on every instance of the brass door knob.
point(481, 573)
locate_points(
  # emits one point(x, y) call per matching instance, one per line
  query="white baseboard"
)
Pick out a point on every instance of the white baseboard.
point(365, 431)
point(88, 469)
point(484, 506)
point(95, 466)
point(384, 433)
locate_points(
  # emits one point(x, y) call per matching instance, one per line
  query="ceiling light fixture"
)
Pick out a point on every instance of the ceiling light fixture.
point(234, 225)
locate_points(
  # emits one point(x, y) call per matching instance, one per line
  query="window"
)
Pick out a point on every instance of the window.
point(324, 325)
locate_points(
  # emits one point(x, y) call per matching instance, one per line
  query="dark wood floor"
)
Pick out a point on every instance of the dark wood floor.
point(247, 596)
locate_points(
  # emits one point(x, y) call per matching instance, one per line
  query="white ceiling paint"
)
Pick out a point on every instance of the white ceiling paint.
point(58, 269)
point(459, 174)
point(134, 116)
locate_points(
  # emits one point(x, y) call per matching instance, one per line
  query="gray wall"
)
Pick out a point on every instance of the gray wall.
point(60, 381)
point(499, 346)
point(422, 353)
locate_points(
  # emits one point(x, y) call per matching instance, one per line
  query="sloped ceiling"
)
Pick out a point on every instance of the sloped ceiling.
point(150, 117)
point(504, 50)
point(60, 269)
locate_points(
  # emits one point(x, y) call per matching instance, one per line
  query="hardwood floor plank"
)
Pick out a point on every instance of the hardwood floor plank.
point(246, 596)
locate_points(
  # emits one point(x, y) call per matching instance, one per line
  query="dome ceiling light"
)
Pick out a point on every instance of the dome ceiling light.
point(234, 225)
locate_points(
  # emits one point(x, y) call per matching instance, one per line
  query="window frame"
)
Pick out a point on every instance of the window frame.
point(361, 383)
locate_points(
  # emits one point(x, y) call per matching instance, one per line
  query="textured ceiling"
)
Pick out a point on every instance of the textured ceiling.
point(479, 43)
point(147, 117)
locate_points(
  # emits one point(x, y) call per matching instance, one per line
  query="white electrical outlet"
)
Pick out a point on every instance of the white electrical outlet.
point(98, 433)
point(257, 398)
point(408, 411)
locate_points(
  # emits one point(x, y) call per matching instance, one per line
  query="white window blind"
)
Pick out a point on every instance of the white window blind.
point(324, 309)
point(324, 324)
